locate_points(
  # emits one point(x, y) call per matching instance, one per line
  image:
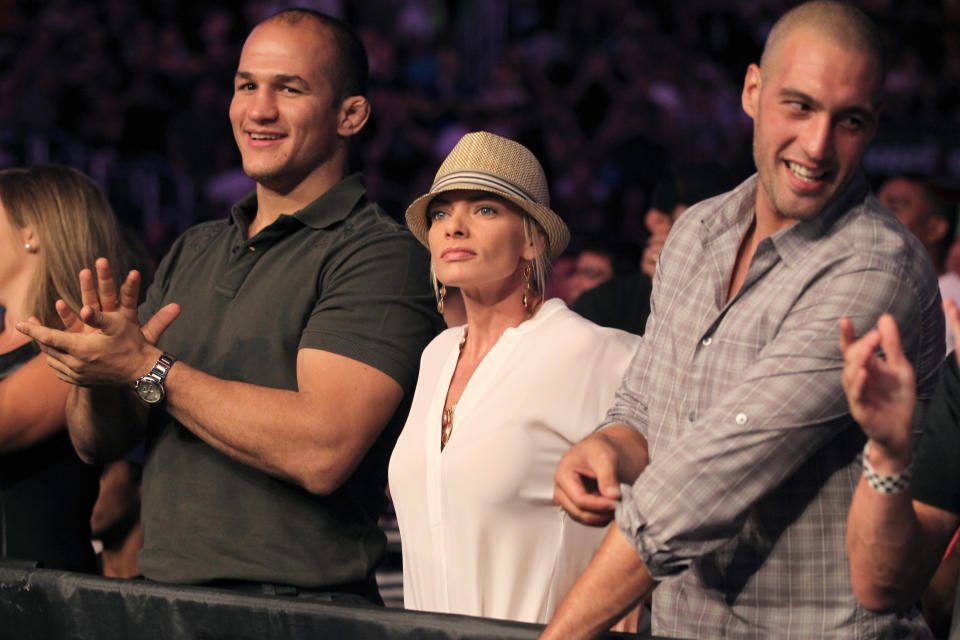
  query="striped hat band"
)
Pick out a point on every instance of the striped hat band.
point(482, 180)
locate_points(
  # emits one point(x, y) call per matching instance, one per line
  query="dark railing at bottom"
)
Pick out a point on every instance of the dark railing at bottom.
point(41, 604)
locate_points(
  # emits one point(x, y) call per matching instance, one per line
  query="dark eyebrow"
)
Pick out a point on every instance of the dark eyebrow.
point(863, 113)
point(280, 78)
point(283, 78)
point(799, 95)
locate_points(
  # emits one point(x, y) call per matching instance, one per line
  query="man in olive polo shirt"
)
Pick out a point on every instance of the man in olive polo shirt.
point(276, 349)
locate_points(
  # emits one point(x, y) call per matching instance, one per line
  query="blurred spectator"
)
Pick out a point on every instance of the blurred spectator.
point(624, 301)
point(560, 273)
point(920, 208)
point(953, 257)
point(673, 194)
point(598, 261)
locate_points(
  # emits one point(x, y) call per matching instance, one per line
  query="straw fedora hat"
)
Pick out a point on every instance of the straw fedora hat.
point(483, 161)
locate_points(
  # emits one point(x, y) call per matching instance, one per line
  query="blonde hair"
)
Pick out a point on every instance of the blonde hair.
point(540, 266)
point(74, 225)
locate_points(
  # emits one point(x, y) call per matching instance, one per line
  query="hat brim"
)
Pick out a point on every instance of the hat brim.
point(558, 235)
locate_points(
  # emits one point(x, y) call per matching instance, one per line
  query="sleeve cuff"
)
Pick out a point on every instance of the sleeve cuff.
point(657, 558)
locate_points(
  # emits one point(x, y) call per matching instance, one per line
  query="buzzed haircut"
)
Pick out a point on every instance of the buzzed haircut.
point(840, 22)
point(351, 69)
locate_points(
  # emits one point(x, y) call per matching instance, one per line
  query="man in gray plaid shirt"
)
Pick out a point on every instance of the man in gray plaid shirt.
point(729, 458)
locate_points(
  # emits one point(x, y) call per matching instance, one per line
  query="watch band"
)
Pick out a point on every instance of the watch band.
point(162, 367)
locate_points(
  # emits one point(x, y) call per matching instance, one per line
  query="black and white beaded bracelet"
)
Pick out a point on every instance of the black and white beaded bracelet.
point(883, 483)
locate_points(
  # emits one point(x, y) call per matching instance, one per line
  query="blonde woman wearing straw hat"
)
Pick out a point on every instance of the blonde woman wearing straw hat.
point(499, 400)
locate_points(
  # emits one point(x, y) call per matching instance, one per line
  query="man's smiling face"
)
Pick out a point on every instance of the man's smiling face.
point(814, 108)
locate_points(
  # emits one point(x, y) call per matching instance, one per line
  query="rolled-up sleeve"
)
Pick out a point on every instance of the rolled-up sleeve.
point(781, 409)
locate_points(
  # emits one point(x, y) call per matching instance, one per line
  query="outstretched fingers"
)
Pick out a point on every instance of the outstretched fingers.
point(45, 337)
point(159, 323)
point(93, 317)
point(106, 286)
point(88, 289)
point(70, 320)
point(130, 293)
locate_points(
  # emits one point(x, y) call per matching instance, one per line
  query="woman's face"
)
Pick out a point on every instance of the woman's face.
point(476, 239)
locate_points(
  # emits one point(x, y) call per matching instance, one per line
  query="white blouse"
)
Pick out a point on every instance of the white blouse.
point(480, 532)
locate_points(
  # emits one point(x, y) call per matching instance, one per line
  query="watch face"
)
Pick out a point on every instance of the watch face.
point(149, 390)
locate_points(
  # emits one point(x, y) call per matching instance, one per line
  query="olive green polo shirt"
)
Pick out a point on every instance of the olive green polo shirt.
point(338, 275)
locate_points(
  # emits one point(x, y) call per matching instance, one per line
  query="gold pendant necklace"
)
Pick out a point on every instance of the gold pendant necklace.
point(446, 418)
point(446, 425)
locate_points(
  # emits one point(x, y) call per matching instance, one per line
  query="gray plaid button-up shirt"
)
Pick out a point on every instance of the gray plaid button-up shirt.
point(753, 454)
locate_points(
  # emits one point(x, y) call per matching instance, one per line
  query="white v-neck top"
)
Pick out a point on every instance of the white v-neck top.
point(480, 532)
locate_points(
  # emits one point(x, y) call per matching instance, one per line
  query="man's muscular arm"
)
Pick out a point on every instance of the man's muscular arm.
point(314, 436)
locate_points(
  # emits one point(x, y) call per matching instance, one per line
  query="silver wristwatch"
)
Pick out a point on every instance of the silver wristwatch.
point(149, 388)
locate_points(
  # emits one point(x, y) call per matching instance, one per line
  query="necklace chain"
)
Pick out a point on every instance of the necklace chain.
point(446, 418)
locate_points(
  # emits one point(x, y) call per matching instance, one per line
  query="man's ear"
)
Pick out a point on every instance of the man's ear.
point(354, 113)
point(752, 84)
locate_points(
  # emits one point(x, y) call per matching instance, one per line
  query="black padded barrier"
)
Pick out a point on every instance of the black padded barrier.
point(41, 604)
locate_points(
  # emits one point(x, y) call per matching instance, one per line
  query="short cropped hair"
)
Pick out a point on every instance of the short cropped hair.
point(351, 68)
point(840, 22)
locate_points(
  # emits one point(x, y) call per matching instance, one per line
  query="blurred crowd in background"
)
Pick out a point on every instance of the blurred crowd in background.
point(610, 94)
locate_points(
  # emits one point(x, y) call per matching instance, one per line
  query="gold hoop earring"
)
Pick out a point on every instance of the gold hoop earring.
point(441, 294)
point(526, 286)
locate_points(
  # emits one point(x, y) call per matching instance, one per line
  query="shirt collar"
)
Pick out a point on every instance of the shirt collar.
point(737, 208)
point(330, 208)
point(793, 242)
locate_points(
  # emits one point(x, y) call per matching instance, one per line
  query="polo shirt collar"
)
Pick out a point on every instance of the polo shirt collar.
point(330, 208)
